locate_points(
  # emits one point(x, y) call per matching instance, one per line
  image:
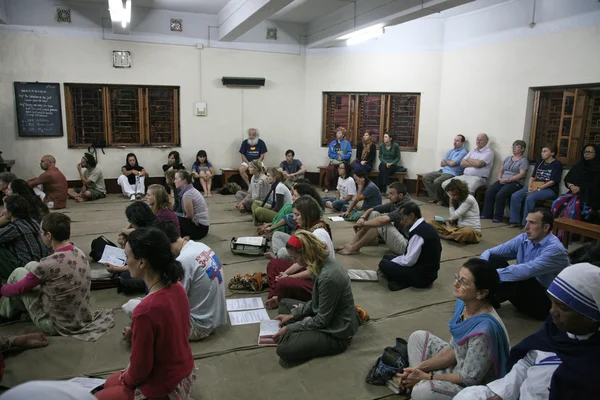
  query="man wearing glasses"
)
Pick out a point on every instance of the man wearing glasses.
point(419, 265)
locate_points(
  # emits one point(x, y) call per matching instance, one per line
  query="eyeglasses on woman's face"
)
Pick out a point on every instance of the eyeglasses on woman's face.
point(461, 281)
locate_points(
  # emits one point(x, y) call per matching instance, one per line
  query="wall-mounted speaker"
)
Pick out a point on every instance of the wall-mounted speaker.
point(243, 82)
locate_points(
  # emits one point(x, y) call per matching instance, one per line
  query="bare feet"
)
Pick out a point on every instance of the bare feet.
point(326, 191)
point(138, 196)
point(269, 255)
point(30, 341)
point(209, 195)
point(346, 251)
point(272, 303)
point(447, 237)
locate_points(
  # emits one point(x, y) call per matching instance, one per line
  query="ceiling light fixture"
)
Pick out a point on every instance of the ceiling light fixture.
point(363, 35)
point(120, 11)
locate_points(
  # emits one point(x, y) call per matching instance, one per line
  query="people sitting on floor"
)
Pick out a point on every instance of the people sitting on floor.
point(366, 151)
point(37, 208)
point(284, 220)
point(562, 359)
point(325, 324)
point(173, 165)
point(511, 178)
point(173, 192)
point(419, 265)
point(340, 150)
point(161, 364)
point(292, 168)
point(450, 167)
point(381, 221)
point(51, 185)
point(540, 257)
point(463, 225)
point(20, 240)
point(478, 348)
point(202, 280)
point(132, 179)
point(21, 342)
point(139, 215)
point(583, 182)
point(279, 195)
point(5, 179)
point(285, 277)
point(55, 291)
point(158, 200)
point(92, 180)
point(543, 185)
point(252, 149)
point(368, 193)
point(346, 189)
point(389, 157)
point(203, 171)
point(258, 188)
point(195, 222)
point(477, 165)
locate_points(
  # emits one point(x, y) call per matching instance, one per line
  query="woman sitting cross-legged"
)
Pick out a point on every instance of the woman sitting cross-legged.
point(160, 203)
point(287, 278)
point(463, 225)
point(284, 220)
point(132, 178)
point(139, 215)
point(279, 195)
point(511, 178)
point(346, 189)
point(478, 350)
point(56, 291)
point(543, 185)
point(257, 190)
point(194, 223)
point(37, 208)
point(324, 325)
point(161, 365)
point(203, 171)
point(368, 193)
point(583, 182)
point(365, 153)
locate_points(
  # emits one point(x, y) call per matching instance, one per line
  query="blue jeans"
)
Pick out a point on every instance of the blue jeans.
point(356, 165)
point(495, 198)
point(516, 200)
point(336, 204)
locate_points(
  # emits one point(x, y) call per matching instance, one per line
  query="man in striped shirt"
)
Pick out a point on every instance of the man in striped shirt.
point(20, 240)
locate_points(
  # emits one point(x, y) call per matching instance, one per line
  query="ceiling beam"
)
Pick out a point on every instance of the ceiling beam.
point(3, 13)
point(239, 16)
point(324, 31)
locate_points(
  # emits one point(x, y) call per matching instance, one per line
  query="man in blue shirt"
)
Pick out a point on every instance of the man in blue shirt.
point(450, 167)
point(540, 258)
point(251, 149)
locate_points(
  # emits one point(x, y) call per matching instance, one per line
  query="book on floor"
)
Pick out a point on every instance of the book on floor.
point(267, 330)
point(248, 317)
point(113, 255)
point(368, 275)
point(336, 219)
point(393, 385)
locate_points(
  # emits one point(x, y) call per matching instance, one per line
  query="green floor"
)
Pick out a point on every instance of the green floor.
point(229, 362)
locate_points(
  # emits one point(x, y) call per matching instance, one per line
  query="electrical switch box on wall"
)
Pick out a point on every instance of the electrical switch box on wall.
point(200, 109)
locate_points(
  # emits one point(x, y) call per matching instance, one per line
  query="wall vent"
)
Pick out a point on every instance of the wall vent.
point(63, 15)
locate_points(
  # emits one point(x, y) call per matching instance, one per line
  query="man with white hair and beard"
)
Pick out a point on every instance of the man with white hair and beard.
point(251, 149)
point(477, 165)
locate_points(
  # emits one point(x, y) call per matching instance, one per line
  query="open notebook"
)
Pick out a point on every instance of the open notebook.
point(267, 330)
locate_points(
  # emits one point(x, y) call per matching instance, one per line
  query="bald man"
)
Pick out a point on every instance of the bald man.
point(477, 163)
point(51, 185)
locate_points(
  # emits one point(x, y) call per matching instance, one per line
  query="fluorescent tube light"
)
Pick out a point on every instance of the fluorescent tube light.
point(376, 27)
point(119, 12)
point(364, 37)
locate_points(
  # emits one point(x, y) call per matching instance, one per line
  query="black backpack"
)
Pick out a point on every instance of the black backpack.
point(98, 245)
point(392, 361)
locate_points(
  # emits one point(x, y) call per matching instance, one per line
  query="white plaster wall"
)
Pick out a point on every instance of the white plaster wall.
point(276, 109)
point(486, 88)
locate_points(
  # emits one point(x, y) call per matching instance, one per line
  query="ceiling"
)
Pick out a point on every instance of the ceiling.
point(192, 6)
point(305, 11)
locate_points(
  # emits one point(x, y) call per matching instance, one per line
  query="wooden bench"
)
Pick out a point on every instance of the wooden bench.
point(228, 173)
point(322, 170)
point(420, 186)
point(568, 225)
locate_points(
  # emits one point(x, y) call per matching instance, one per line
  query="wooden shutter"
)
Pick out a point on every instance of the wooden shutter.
point(403, 120)
point(125, 116)
point(86, 120)
point(337, 112)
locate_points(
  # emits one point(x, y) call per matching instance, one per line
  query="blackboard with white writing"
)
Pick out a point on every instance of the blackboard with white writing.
point(39, 110)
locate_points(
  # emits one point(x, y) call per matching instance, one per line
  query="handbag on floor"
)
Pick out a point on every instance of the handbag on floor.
point(249, 246)
point(97, 247)
point(392, 361)
point(252, 283)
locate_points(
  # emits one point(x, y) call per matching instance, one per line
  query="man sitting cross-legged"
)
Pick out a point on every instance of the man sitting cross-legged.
point(560, 361)
point(51, 186)
point(540, 257)
point(384, 221)
point(56, 291)
point(419, 265)
point(203, 282)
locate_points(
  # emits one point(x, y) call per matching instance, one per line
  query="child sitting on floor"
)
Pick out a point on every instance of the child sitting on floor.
point(203, 171)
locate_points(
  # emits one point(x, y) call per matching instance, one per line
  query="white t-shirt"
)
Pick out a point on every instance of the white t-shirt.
point(282, 189)
point(346, 187)
point(323, 236)
point(203, 282)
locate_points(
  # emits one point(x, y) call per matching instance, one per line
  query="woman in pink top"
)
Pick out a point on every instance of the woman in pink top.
point(158, 199)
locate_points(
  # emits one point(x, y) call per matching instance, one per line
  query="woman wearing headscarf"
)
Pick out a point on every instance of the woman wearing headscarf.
point(365, 154)
point(560, 361)
point(583, 182)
